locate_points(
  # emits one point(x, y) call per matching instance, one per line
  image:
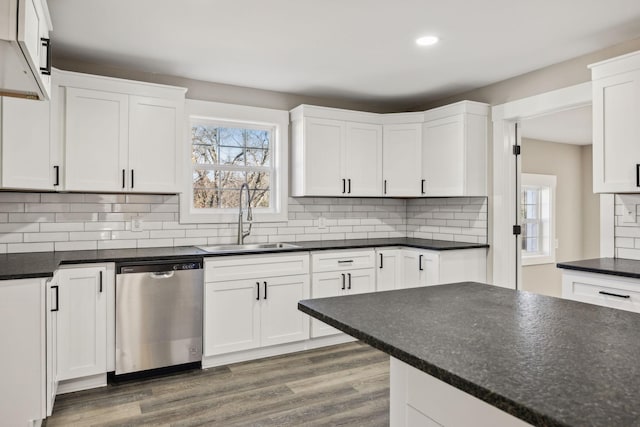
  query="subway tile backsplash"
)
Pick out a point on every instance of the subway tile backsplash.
point(37, 222)
point(627, 233)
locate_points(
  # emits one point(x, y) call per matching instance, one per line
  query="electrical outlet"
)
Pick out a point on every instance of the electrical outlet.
point(629, 214)
point(322, 223)
point(136, 224)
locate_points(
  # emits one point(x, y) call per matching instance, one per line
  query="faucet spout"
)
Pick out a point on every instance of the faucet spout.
point(241, 233)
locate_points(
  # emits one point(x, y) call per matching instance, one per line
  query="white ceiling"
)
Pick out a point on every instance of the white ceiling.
point(354, 49)
point(569, 127)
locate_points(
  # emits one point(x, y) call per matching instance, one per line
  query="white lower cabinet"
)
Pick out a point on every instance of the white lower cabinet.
point(23, 354)
point(80, 308)
point(337, 273)
point(409, 268)
point(247, 313)
point(602, 289)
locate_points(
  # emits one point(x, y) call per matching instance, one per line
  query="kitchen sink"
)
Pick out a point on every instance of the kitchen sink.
point(248, 247)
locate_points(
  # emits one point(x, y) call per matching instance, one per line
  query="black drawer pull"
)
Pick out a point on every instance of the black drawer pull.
point(258, 289)
point(349, 182)
point(422, 186)
point(123, 177)
point(638, 175)
point(420, 263)
point(343, 281)
point(381, 260)
point(265, 290)
point(344, 261)
point(344, 185)
point(57, 182)
point(57, 300)
point(46, 70)
point(349, 274)
point(100, 284)
point(614, 295)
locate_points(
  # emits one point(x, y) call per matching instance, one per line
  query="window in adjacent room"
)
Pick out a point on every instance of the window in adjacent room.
point(231, 145)
point(537, 207)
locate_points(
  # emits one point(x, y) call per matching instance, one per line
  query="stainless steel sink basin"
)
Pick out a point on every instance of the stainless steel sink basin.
point(247, 247)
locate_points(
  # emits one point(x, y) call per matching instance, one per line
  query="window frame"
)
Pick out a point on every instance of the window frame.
point(547, 255)
point(238, 116)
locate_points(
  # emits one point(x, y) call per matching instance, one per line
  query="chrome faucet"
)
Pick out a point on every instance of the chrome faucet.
point(241, 233)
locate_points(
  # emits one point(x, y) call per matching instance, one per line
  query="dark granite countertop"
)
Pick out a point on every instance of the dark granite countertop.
point(43, 264)
point(545, 360)
point(614, 266)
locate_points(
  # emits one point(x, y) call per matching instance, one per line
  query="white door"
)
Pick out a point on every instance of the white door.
point(401, 166)
point(30, 15)
point(26, 145)
point(155, 135)
point(327, 284)
point(323, 157)
point(231, 316)
point(443, 157)
point(96, 140)
point(419, 268)
point(361, 281)
point(281, 321)
point(82, 322)
point(363, 160)
point(53, 289)
point(616, 133)
point(387, 269)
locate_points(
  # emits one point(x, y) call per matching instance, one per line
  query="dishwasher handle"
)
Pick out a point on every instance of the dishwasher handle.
point(162, 274)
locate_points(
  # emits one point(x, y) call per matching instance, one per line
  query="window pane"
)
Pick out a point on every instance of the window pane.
point(530, 212)
point(231, 180)
point(258, 157)
point(204, 154)
point(260, 198)
point(205, 179)
point(202, 134)
point(231, 156)
point(230, 199)
point(258, 138)
point(258, 180)
point(205, 199)
point(231, 137)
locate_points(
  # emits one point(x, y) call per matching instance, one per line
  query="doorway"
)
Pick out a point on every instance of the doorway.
point(558, 211)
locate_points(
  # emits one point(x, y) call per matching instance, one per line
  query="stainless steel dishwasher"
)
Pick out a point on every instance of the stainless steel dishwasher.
point(158, 315)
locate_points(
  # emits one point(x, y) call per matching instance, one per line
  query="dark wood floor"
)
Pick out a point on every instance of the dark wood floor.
point(345, 385)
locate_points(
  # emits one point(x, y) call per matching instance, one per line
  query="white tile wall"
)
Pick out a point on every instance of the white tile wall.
point(34, 222)
point(627, 234)
point(458, 219)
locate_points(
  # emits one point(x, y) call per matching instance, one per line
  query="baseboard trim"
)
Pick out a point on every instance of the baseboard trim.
point(84, 383)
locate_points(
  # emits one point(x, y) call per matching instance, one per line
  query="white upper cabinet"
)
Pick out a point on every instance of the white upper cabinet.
point(454, 150)
point(333, 156)
point(28, 156)
point(401, 164)
point(436, 153)
point(616, 125)
point(25, 58)
point(121, 136)
point(96, 140)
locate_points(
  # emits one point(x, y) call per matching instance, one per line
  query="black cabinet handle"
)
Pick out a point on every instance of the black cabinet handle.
point(638, 175)
point(57, 300)
point(343, 281)
point(349, 274)
point(349, 181)
point(123, 177)
point(46, 70)
point(57, 181)
point(385, 186)
point(345, 261)
point(614, 295)
point(100, 283)
point(420, 263)
point(131, 178)
point(344, 185)
point(258, 291)
point(265, 290)
point(422, 186)
point(381, 258)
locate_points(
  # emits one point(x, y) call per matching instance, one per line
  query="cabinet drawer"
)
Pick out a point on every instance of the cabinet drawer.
point(342, 260)
point(252, 266)
point(620, 293)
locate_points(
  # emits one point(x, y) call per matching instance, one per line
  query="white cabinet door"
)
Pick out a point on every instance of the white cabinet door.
point(326, 284)
point(82, 322)
point(323, 157)
point(52, 296)
point(419, 268)
point(96, 140)
point(401, 166)
point(231, 316)
point(22, 358)
point(616, 133)
point(281, 321)
point(26, 145)
point(363, 160)
point(443, 157)
point(154, 144)
point(361, 281)
point(388, 269)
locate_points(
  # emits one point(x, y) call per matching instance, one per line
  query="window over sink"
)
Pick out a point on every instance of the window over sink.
point(230, 145)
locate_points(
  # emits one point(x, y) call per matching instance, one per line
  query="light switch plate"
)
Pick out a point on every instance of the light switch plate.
point(322, 223)
point(136, 224)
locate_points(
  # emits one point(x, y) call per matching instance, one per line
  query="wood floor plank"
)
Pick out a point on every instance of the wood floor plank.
point(346, 384)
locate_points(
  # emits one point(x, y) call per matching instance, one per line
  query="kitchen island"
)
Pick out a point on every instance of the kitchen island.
point(466, 349)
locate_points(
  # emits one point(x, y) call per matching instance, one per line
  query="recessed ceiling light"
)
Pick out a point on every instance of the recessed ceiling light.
point(427, 40)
